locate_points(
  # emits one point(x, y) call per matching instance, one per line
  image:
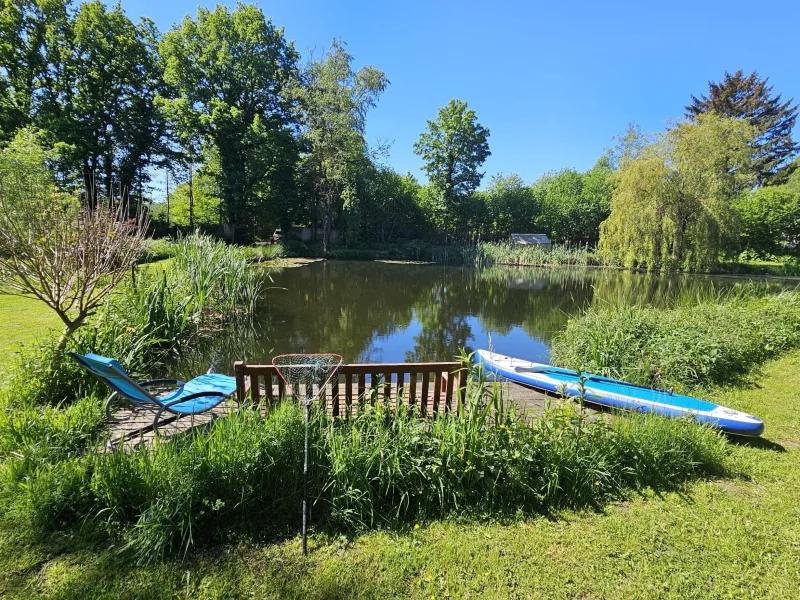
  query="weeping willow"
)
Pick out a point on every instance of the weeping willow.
point(672, 203)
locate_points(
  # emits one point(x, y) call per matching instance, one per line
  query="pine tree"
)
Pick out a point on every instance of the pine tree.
point(749, 97)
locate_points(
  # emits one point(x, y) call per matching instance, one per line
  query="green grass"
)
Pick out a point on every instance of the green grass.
point(713, 539)
point(23, 321)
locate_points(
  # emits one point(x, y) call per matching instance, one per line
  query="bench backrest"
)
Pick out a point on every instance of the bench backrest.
point(433, 387)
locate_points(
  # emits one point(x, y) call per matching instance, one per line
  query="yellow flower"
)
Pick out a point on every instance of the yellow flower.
point(569, 321)
point(419, 492)
point(429, 577)
point(468, 463)
point(596, 483)
point(416, 525)
point(461, 455)
point(130, 329)
point(452, 471)
point(487, 573)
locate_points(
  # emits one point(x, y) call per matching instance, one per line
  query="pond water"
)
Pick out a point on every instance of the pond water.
point(381, 312)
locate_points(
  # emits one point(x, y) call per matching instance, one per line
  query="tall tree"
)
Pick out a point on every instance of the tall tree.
point(454, 148)
point(28, 30)
point(672, 204)
point(512, 206)
point(334, 101)
point(228, 74)
point(749, 97)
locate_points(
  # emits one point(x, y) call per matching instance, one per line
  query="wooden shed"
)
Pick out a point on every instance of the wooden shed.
point(530, 239)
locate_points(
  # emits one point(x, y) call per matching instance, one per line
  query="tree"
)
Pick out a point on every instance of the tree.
point(202, 208)
point(573, 204)
point(750, 98)
point(671, 205)
point(28, 33)
point(389, 203)
point(334, 101)
point(228, 74)
point(770, 218)
point(67, 255)
point(511, 206)
point(454, 147)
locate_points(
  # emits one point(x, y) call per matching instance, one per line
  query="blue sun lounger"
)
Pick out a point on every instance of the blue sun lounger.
point(189, 398)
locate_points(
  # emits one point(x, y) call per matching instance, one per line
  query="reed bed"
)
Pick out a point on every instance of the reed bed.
point(382, 468)
point(715, 338)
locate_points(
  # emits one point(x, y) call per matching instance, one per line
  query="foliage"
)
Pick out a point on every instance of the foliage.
point(227, 75)
point(750, 98)
point(68, 256)
point(770, 218)
point(711, 343)
point(671, 206)
point(87, 76)
point(334, 101)
point(453, 148)
point(382, 467)
point(205, 203)
point(510, 206)
point(573, 204)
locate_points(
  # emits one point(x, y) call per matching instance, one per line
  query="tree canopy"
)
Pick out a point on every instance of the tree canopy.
point(454, 147)
point(227, 75)
point(672, 204)
point(751, 98)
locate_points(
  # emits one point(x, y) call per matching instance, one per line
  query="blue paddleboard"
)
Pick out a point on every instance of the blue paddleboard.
point(617, 394)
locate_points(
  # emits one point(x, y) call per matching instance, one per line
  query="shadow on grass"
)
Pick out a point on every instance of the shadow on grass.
point(755, 442)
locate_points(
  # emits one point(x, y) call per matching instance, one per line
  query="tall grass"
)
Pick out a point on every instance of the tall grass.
point(714, 339)
point(381, 468)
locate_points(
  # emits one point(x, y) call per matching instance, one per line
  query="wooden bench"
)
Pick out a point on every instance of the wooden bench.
point(433, 387)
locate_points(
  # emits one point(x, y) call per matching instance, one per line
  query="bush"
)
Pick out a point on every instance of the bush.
point(380, 468)
point(715, 342)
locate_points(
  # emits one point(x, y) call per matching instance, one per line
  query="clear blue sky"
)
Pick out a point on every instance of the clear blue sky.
point(553, 81)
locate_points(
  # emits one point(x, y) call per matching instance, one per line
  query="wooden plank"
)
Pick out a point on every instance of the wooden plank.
point(336, 383)
point(437, 390)
point(255, 388)
point(238, 370)
point(412, 388)
point(423, 401)
point(367, 369)
point(269, 392)
point(373, 387)
point(448, 395)
point(281, 388)
point(401, 387)
point(361, 388)
point(387, 387)
point(348, 392)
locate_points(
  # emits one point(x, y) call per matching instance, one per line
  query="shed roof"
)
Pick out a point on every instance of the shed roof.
point(530, 239)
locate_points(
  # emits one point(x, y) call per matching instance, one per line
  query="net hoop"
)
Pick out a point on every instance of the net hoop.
point(321, 370)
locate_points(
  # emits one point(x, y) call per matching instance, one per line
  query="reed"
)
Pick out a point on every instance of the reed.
point(714, 338)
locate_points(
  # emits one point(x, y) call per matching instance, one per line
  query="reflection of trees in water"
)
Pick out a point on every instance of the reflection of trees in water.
point(353, 307)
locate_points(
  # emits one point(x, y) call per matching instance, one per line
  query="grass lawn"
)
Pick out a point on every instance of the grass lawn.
point(23, 321)
point(734, 538)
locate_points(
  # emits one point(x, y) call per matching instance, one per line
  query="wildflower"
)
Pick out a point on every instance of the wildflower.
point(487, 573)
point(596, 483)
point(130, 329)
point(468, 463)
point(416, 525)
point(453, 471)
point(429, 577)
point(569, 321)
point(461, 455)
point(419, 492)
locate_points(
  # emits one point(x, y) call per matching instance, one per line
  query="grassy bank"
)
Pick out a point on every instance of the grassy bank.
point(712, 539)
point(711, 342)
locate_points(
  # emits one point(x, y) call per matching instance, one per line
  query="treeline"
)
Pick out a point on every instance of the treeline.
point(248, 138)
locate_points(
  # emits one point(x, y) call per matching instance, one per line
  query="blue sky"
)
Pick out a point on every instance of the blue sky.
point(553, 81)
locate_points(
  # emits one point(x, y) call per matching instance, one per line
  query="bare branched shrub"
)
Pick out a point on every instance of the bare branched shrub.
point(67, 255)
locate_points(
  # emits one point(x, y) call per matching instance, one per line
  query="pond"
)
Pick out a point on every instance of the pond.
point(383, 312)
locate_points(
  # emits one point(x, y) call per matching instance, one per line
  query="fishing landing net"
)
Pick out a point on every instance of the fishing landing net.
point(306, 377)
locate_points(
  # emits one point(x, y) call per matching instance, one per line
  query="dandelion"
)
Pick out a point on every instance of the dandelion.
point(569, 321)
point(487, 573)
point(461, 455)
point(416, 525)
point(130, 329)
point(469, 463)
point(429, 577)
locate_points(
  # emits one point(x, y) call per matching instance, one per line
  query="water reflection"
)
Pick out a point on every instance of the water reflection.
point(370, 311)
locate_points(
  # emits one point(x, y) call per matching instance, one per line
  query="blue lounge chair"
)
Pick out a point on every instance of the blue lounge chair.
point(197, 396)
